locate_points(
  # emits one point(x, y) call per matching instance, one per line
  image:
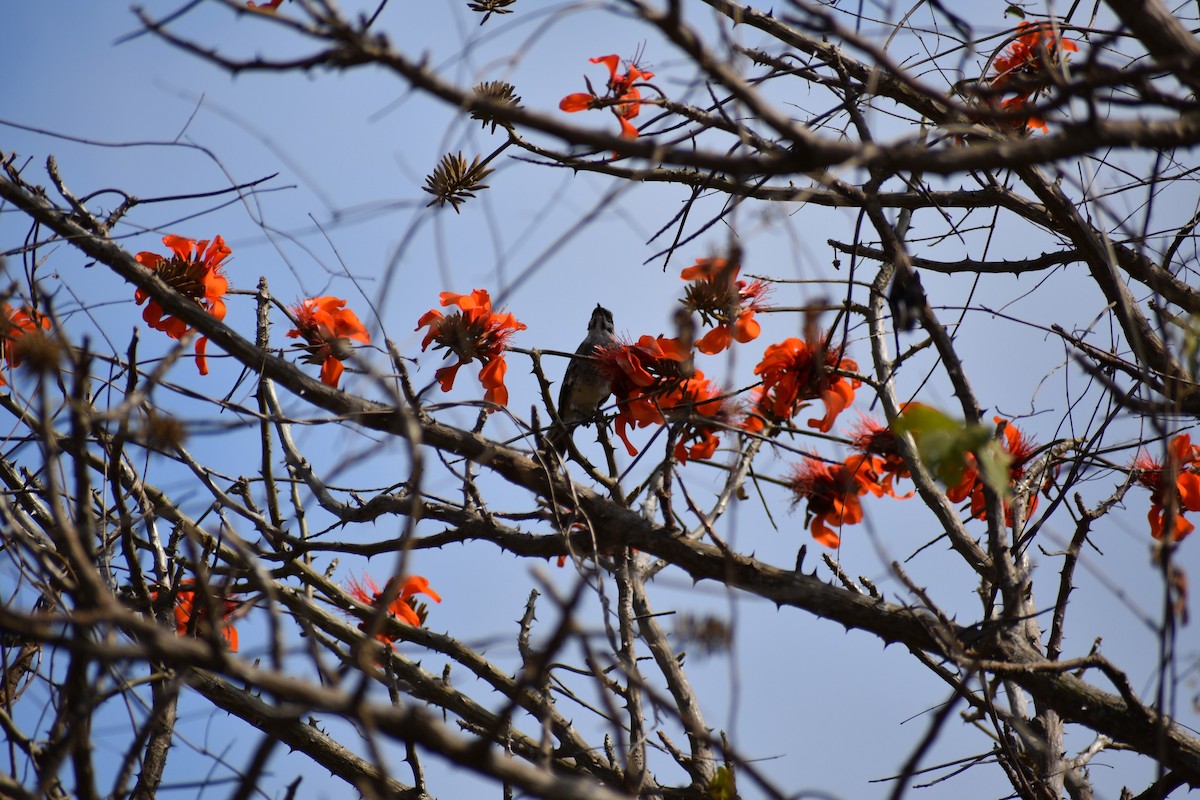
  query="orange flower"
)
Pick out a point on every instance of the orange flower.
point(1177, 476)
point(1029, 121)
point(718, 296)
point(623, 97)
point(328, 326)
point(1024, 69)
point(833, 492)
point(267, 7)
point(405, 608)
point(966, 485)
point(192, 618)
point(195, 273)
point(1023, 65)
point(797, 371)
point(873, 439)
point(641, 374)
point(14, 326)
point(474, 332)
point(701, 404)
point(1020, 449)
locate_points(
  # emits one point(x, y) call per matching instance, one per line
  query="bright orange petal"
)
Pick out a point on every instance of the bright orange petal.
point(579, 101)
point(1182, 528)
point(621, 424)
point(492, 374)
point(715, 341)
point(824, 534)
point(348, 326)
point(202, 355)
point(478, 299)
point(406, 613)
point(181, 246)
point(746, 329)
point(673, 349)
point(497, 395)
point(445, 376)
point(1188, 485)
point(331, 371)
point(703, 268)
point(429, 316)
point(611, 61)
point(417, 584)
point(148, 260)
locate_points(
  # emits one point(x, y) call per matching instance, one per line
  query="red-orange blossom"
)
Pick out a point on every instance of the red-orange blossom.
point(473, 332)
point(194, 271)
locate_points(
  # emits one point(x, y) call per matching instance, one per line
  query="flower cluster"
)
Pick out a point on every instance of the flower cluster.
point(796, 371)
point(192, 617)
point(623, 96)
point(833, 493)
point(405, 608)
point(1024, 70)
point(641, 374)
point(194, 271)
point(1019, 449)
point(1175, 484)
point(15, 325)
point(653, 383)
point(327, 326)
point(472, 332)
point(719, 297)
point(873, 439)
point(704, 407)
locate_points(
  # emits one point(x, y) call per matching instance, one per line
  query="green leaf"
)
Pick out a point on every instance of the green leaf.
point(994, 462)
point(723, 786)
point(943, 443)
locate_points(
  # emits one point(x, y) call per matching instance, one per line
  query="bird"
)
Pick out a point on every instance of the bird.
point(584, 387)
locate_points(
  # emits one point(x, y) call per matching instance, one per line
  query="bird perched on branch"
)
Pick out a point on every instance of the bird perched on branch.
point(584, 388)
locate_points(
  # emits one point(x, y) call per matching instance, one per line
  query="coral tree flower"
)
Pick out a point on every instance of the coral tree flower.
point(405, 608)
point(1019, 449)
point(327, 326)
point(623, 97)
point(642, 373)
point(1023, 65)
point(1175, 483)
point(701, 404)
point(796, 371)
point(192, 617)
point(194, 271)
point(1025, 68)
point(1022, 118)
point(15, 325)
point(833, 493)
point(719, 297)
point(473, 332)
point(266, 7)
point(873, 439)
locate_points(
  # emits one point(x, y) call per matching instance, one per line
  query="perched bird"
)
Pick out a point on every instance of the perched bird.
point(583, 388)
point(906, 298)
